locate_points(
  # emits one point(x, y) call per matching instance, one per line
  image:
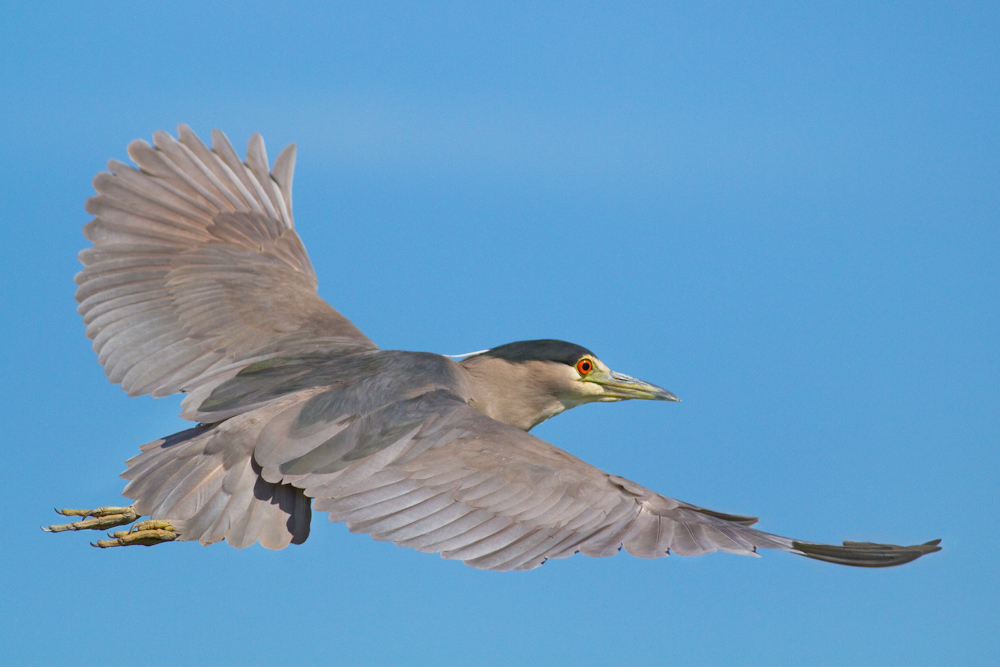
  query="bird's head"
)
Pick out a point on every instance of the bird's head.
point(530, 381)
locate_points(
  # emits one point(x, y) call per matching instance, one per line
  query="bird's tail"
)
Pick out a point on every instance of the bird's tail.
point(206, 482)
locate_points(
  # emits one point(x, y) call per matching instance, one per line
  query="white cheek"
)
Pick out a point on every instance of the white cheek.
point(580, 392)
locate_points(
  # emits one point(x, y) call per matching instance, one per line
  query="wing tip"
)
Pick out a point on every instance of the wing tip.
point(866, 554)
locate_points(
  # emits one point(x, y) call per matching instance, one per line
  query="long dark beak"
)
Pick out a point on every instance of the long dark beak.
point(620, 386)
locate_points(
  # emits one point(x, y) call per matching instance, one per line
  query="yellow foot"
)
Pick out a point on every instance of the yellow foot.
point(145, 533)
point(103, 518)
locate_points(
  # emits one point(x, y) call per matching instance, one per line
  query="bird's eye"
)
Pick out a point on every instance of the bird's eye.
point(584, 366)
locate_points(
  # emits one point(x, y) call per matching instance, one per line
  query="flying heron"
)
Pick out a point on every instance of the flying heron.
point(198, 283)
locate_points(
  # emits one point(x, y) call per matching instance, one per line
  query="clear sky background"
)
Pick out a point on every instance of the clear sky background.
point(785, 213)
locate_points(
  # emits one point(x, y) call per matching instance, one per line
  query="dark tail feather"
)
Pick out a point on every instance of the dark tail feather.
point(866, 554)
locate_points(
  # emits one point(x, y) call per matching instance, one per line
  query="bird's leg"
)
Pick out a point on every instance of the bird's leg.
point(145, 533)
point(103, 518)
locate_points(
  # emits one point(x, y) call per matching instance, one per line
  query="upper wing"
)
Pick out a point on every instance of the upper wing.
point(196, 272)
point(431, 473)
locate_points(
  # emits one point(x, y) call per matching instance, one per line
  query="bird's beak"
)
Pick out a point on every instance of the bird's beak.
point(618, 386)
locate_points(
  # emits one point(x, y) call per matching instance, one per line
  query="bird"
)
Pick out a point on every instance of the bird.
point(197, 283)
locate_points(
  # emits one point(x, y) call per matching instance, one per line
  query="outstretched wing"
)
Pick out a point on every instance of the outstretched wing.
point(196, 271)
point(431, 473)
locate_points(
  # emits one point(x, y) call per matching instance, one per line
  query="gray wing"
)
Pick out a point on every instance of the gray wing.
point(196, 271)
point(431, 473)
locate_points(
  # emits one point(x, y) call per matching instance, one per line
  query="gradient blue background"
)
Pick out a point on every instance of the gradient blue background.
point(785, 213)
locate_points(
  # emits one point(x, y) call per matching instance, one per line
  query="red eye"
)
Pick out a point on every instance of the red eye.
point(584, 366)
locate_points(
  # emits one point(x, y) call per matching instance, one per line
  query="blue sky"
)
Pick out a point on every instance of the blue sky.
point(785, 213)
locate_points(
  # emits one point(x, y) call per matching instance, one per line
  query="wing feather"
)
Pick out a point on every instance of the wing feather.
point(493, 525)
point(389, 523)
point(514, 553)
point(461, 526)
point(426, 526)
point(195, 267)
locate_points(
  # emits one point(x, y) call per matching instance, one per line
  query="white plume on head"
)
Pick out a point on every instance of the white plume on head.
point(467, 354)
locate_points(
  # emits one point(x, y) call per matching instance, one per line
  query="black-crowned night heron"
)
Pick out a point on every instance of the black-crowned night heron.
point(198, 283)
